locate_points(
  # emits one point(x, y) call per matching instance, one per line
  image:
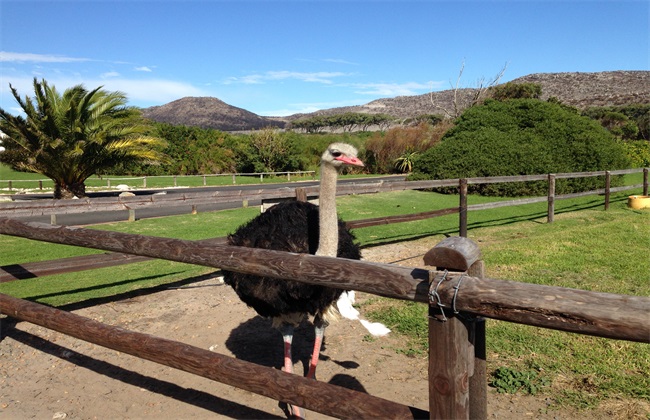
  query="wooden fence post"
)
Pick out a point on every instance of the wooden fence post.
point(462, 209)
point(144, 182)
point(301, 194)
point(645, 181)
point(608, 185)
point(478, 381)
point(457, 381)
point(175, 181)
point(551, 198)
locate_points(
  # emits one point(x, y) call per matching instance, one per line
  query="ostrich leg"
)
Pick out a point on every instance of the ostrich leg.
point(287, 338)
point(319, 333)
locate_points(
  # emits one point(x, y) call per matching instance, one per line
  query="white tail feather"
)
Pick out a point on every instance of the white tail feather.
point(375, 328)
point(344, 305)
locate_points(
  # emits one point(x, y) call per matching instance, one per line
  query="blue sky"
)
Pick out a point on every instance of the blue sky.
point(283, 57)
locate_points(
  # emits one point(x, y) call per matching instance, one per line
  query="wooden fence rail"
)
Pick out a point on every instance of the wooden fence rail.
point(593, 313)
point(281, 386)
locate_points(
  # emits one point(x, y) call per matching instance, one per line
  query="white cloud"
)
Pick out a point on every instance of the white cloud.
point(395, 89)
point(143, 68)
point(109, 74)
point(155, 91)
point(307, 107)
point(142, 93)
point(6, 56)
point(328, 60)
point(339, 61)
point(315, 77)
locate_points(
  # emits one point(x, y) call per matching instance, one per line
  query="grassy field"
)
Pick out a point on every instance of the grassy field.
point(584, 248)
point(29, 182)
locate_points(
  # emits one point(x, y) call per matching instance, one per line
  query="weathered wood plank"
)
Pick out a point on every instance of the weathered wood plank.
point(449, 368)
point(74, 264)
point(292, 389)
point(65, 265)
point(358, 224)
point(593, 313)
point(478, 381)
point(497, 179)
point(453, 253)
point(508, 203)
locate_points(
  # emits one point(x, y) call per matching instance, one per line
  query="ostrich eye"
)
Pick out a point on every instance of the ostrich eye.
point(336, 153)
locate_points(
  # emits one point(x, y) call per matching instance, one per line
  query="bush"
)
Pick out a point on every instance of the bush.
point(266, 150)
point(190, 151)
point(512, 90)
point(638, 151)
point(389, 152)
point(629, 122)
point(522, 137)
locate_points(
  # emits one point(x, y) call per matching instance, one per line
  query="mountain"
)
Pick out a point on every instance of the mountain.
point(206, 112)
point(581, 90)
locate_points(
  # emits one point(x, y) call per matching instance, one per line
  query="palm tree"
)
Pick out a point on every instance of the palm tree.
point(73, 136)
point(404, 163)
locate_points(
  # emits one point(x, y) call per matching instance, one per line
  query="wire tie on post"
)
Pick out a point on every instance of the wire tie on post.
point(433, 295)
point(456, 287)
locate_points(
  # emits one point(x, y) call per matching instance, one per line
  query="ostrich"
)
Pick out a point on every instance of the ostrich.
point(300, 227)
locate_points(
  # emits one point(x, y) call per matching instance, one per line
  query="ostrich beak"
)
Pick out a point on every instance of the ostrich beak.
point(350, 160)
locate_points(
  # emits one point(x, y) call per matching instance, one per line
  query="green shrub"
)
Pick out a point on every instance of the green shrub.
point(510, 381)
point(522, 137)
point(638, 151)
point(628, 122)
point(512, 90)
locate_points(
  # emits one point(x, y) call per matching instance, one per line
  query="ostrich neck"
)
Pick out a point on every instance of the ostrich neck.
point(328, 239)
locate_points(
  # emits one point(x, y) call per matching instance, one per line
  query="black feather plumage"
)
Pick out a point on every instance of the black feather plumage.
point(290, 226)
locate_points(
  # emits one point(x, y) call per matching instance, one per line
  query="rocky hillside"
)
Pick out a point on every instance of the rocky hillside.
point(208, 113)
point(581, 90)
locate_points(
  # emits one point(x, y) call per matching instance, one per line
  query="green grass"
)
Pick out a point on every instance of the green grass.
point(588, 249)
point(584, 248)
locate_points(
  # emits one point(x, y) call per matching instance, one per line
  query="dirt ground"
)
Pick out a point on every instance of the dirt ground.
point(47, 375)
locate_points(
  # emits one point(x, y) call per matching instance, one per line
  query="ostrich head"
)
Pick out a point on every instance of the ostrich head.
point(341, 154)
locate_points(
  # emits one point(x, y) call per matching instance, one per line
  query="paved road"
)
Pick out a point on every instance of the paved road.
point(115, 216)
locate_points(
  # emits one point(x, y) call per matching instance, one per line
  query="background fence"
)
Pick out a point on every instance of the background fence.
point(232, 195)
point(157, 181)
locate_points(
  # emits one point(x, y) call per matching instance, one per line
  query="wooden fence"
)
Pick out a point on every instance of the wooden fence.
point(456, 291)
point(174, 178)
point(231, 195)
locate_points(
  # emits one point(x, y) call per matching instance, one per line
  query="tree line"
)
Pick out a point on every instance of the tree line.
point(79, 133)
